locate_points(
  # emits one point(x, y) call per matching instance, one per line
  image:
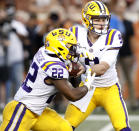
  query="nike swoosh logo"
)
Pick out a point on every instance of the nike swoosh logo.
point(102, 49)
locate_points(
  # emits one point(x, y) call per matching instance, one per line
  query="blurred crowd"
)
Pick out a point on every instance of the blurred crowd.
point(23, 25)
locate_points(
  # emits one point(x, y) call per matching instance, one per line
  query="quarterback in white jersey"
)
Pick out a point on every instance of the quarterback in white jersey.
point(104, 44)
point(105, 49)
point(47, 75)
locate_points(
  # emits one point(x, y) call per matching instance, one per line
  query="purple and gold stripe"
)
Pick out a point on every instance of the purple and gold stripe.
point(99, 6)
point(110, 37)
point(20, 119)
point(58, 63)
point(107, 37)
point(74, 29)
point(47, 64)
point(113, 34)
point(42, 66)
point(120, 94)
point(103, 7)
point(14, 116)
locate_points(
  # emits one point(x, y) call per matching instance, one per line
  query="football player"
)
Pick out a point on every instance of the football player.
point(104, 44)
point(48, 74)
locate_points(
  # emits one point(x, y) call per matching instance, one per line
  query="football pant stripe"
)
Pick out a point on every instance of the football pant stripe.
point(17, 116)
point(20, 119)
point(13, 116)
point(125, 110)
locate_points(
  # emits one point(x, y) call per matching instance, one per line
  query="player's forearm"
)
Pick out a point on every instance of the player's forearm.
point(77, 93)
point(100, 69)
point(71, 93)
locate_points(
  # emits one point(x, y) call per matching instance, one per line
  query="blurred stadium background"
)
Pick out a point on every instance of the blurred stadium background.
point(23, 23)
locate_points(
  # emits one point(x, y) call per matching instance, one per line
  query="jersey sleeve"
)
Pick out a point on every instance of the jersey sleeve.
point(55, 70)
point(113, 44)
point(114, 39)
point(80, 32)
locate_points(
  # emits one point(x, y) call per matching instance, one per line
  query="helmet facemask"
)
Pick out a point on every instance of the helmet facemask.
point(73, 55)
point(103, 27)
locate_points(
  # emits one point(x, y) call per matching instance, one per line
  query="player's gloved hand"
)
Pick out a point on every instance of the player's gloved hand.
point(87, 58)
point(85, 53)
point(86, 78)
point(88, 55)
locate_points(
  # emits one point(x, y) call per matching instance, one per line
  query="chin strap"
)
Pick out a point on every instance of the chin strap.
point(54, 55)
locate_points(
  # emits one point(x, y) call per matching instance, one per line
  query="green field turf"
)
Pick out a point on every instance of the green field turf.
point(102, 123)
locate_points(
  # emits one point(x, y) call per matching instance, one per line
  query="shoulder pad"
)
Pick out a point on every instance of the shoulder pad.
point(74, 29)
point(114, 38)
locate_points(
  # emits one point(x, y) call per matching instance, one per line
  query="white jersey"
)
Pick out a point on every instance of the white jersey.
point(35, 93)
point(106, 48)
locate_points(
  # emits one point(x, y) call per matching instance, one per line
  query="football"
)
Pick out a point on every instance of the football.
point(74, 68)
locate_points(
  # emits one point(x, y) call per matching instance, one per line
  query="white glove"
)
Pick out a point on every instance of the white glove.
point(87, 78)
point(87, 58)
point(85, 53)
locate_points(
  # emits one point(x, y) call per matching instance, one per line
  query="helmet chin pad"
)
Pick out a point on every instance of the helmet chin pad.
point(101, 31)
point(104, 27)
